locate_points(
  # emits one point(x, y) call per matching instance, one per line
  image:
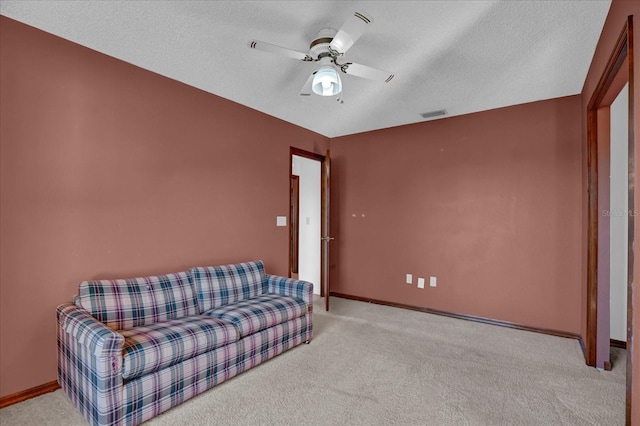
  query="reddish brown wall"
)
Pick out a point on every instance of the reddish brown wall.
point(490, 203)
point(616, 18)
point(108, 170)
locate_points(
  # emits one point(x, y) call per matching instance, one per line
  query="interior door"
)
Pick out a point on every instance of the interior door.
point(294, 225)
point(326, 228)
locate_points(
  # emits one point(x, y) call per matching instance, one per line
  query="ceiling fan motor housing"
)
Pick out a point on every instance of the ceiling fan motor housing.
point(319, 47)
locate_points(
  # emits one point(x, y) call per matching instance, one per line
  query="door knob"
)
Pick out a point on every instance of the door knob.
point(327, 238)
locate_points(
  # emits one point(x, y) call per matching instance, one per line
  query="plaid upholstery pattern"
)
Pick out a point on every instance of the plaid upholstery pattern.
point(156, 346)
point(301, 290)
point(162, 343)
point(127, 303)
point(260, 312)
point(152, 394)
point(223, 285)
point(297, 289)
point(89, 365)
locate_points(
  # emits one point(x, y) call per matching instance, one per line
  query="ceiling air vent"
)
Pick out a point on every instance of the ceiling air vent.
point(434, 113)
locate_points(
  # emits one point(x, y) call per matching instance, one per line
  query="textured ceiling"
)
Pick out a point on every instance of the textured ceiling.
point(462, 56)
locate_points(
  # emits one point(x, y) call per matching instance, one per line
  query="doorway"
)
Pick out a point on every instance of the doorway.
point(618, 72)
point(325, 207)
point(618, 219)
point(324, 240)
point(306, 216)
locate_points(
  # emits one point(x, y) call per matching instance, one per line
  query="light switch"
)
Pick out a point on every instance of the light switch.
point(281, 221)
point(420, 282)
point(433, 281)
point(409, 279)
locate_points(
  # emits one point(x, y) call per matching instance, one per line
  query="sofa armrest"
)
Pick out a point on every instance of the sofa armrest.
point(291, 287)
point(90, 364)
point(79, 325)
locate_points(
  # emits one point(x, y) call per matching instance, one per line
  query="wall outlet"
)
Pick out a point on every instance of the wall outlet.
point(420, 282)
point(432, 281)
point(409, 279)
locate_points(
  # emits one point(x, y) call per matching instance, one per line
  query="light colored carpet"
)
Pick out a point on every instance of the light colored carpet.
point(377, 365)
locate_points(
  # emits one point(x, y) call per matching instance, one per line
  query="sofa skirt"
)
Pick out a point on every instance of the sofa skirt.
point(147, 396)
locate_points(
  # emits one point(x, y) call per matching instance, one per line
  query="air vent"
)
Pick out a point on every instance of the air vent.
point(434, 113)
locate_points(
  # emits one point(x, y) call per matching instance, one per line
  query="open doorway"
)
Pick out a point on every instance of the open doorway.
point(310, 215)
point(618, 221)
point(618, 72)
point(305, 236)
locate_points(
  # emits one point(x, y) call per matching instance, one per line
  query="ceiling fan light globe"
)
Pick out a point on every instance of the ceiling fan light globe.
point(326, 82)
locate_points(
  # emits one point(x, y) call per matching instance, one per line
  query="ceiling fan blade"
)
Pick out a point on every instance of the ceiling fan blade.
point(350, 31)
point(367, 72)
point(278, 50)
point(306, 89)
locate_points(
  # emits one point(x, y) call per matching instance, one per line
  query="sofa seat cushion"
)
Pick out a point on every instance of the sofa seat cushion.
point(259, 313)
point(156, 346)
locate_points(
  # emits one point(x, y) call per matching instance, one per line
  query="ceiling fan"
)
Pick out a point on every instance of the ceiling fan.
point(326, 49)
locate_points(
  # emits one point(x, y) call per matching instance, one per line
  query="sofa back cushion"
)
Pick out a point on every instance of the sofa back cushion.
point(132, 302)
point(223, 285)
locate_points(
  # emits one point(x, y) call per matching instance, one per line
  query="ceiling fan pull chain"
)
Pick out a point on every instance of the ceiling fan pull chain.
point(340, 97)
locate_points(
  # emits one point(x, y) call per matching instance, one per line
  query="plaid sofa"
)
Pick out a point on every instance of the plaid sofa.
point(130, 349)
